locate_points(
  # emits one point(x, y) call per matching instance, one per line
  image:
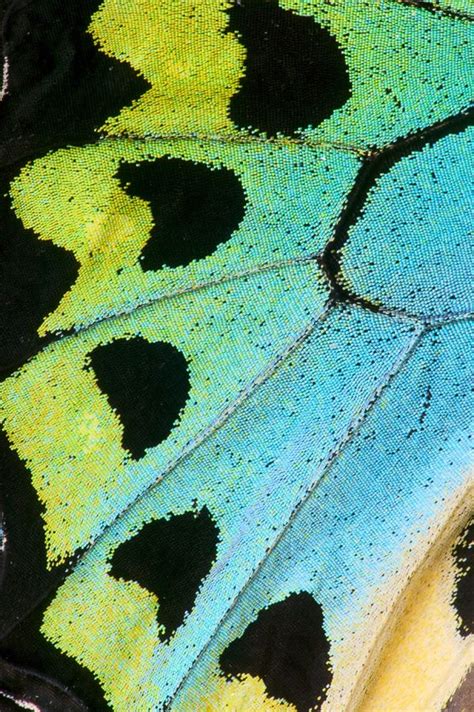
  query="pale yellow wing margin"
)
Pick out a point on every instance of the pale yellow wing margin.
point(420, 658)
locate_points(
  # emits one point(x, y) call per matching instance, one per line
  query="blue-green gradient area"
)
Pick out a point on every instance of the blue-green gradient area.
point(383, 491)
point(408, 67)
point(252, 474)
point(230, 334)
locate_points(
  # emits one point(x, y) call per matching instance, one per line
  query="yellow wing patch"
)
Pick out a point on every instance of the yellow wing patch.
point(192, 63)
point(426, 658)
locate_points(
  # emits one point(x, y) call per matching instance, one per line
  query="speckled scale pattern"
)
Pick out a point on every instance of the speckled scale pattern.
point(236, 381)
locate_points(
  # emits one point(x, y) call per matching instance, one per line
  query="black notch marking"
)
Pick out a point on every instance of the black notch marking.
point(287, 648)
point(463, 598)
point(34, 276)
point(147, 384)
point(195, 208)
point(295, 72)
point(29, 664)
point(61, 86)
point(170, 558)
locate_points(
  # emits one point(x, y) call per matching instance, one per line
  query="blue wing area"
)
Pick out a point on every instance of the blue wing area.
point(412, 247)
point(390, 482)
point(304, 413)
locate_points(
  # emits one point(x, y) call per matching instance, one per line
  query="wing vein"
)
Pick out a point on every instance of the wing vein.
point(194, 443)
point(321, 473)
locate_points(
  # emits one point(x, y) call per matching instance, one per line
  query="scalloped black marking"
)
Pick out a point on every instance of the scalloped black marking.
point(195, 208)
point(147, 384)
point(34, 276)
point(60, 84)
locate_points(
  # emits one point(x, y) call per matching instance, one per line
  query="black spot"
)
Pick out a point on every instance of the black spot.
point(287, 648)
point(60, 84)
point(195, 208)
point(170, 558)
point(147, 384)
point(295, 72)
point(29, 663)
point(463, 598)
point(34, 275)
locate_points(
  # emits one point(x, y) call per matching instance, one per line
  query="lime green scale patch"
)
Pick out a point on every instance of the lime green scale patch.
point(293, 196)
point(407, 67)
point(118, 648)
point(299, 412)
point(182, 49)
point(62, 426)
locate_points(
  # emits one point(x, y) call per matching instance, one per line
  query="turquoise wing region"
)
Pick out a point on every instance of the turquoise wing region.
point(230, 336)
point(347, 543)
point(411, 249)
point(250, 492)
point(246, 422)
